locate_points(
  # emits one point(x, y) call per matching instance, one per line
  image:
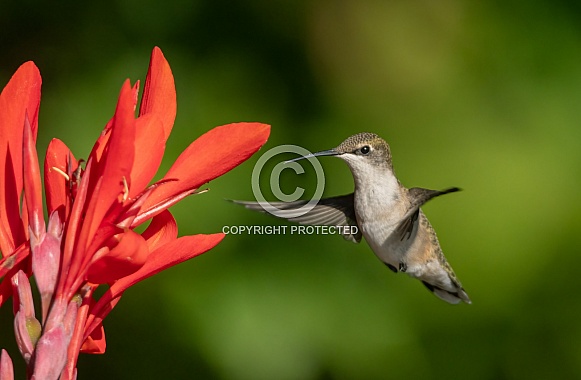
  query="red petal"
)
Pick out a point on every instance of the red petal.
point(101, 143)
point(157, 115)
point(95, 342)
point(94, 320)
point(117, 164)
point(32, 186)
point(145, 215)
point(9, 266)
point(72, 260)
point(149, 149)
point(9, 262)
point(21, 95)
point(162, 229)
point(159, 94)
point(168, 255)
point(211, 155)
point(56, 185)
point(111, 170)
point(125, 258)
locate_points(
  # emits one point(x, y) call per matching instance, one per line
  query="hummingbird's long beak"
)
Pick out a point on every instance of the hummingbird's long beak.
point(330, 152)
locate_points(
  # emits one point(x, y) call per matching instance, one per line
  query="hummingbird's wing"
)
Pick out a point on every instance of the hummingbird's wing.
point(419, 196)
point(336, 211)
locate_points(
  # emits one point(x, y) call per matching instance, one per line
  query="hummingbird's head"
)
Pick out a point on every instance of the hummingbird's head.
point(365, 149)
point(365, 152)
point(360, 151)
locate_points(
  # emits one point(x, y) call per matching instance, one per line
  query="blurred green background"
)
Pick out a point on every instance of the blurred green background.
point(486, 97)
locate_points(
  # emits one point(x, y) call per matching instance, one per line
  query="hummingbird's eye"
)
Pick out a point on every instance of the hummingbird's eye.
point(365, 149)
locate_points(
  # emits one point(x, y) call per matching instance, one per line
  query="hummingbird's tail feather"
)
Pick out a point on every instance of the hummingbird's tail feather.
point(449, 296)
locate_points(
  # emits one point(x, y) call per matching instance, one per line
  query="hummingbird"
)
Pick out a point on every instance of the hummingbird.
point(385, 213)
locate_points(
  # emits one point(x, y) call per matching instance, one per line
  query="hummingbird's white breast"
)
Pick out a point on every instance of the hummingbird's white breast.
point(380, 205)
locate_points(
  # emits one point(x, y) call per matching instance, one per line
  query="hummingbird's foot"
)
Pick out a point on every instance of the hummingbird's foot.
point(403, 267)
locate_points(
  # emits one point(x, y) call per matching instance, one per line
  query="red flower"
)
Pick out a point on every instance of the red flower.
point(90, 238)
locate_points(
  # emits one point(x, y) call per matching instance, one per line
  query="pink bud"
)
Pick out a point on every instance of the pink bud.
point(22, 294)
point(57, 313)
point(6, 369)
point(51, 350)
point(46, 260)
point(51, 354)
point(71, 315)
point(27, 331)
point(26, 327)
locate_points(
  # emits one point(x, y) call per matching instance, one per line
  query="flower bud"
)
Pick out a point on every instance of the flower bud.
point(6, 369)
